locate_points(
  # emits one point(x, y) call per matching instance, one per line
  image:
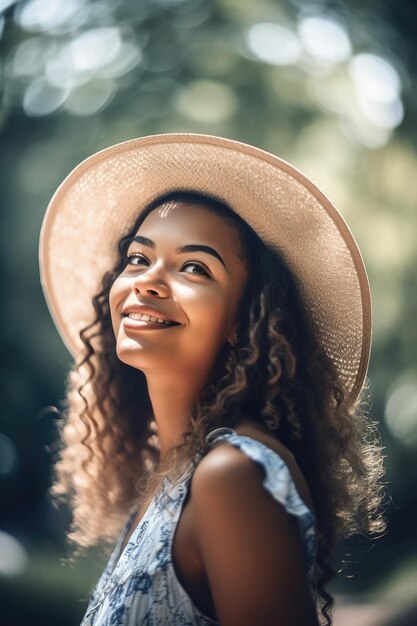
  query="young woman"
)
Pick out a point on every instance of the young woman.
point(218, 311)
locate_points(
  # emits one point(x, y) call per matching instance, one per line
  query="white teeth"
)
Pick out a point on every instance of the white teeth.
point(147, 318)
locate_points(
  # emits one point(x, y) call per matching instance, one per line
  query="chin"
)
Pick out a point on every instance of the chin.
point(127, 350)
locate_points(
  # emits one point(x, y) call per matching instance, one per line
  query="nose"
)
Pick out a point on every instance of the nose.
point(150, 283)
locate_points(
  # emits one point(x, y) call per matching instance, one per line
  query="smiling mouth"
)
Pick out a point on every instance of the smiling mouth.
point(137, 320)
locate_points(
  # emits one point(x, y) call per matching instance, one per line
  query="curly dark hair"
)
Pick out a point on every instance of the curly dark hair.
point(277, 372)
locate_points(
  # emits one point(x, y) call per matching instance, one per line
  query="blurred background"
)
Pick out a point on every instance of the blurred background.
point(329, 86)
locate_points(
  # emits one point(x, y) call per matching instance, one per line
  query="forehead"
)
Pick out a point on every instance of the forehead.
point(190, 223)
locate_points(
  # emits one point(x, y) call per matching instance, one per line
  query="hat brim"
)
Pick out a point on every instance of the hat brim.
point(101, 198)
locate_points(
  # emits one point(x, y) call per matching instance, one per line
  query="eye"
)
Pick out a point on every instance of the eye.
point(201, 269)
point(135, 255)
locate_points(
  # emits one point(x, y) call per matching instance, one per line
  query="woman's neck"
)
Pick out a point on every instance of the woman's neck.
point(172, 398)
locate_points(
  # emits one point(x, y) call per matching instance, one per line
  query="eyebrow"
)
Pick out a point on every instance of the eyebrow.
point(190, 247)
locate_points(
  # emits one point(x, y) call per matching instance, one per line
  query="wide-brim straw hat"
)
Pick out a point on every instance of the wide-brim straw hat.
point(100, 199)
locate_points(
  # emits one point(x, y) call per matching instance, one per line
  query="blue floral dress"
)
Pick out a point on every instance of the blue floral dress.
point(139, 586)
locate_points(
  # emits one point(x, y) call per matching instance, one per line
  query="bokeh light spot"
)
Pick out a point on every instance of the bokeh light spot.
point(401, 409)
point(273, 43)
point(377, 86)
point(31, 55)
point(60, 71)
point(13, 559)
point(375, 78)
point(42, 98)
point(383, 114)
point(325, 39)
point(207, 101)
point(95, 48)
point(39, 15)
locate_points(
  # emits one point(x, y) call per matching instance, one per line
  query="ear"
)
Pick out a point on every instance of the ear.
point(232, 339)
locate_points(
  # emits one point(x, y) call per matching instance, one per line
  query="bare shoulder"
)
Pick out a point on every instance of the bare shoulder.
point(230, 483)
point(224, 465)
point(247, 543)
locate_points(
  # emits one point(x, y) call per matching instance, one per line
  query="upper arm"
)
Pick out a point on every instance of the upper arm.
point(249, 545)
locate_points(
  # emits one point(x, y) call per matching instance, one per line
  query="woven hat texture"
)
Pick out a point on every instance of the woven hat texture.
point(100, 199)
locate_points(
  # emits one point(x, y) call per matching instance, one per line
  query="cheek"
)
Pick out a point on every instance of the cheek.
point(116, 292)
point(209, 313)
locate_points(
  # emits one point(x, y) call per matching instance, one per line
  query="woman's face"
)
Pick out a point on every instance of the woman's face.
point(184, 266)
